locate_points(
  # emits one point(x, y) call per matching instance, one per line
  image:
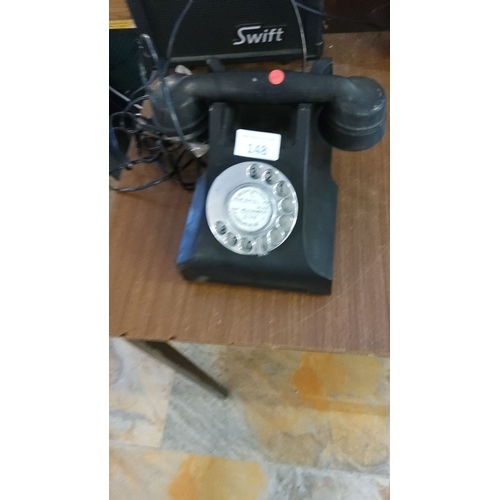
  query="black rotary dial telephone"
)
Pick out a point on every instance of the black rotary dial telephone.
point(263, 214)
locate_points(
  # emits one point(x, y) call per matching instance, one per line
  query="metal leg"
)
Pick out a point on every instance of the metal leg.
point(164, 352)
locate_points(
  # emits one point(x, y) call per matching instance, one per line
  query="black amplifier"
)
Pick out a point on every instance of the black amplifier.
point(232, 30)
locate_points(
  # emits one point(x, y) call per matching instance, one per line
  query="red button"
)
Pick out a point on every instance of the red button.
point(276, 76)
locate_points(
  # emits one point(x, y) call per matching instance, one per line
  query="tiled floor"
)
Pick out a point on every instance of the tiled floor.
point(297, 426)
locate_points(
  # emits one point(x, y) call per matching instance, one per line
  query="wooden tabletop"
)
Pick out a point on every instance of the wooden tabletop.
point(150, 300)
point(119, 15)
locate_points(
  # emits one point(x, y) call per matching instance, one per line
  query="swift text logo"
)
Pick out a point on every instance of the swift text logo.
point(255, 34)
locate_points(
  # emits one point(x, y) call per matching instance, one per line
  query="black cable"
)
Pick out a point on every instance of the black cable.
point(125, 113)
point(166, 90)
point(140, 125)
point(145, 86)
point(122, 96)
point(144, 186)
point(157, 146)
point(146, 43)
point(175, 173)
point(133, 102)
point(302, 35)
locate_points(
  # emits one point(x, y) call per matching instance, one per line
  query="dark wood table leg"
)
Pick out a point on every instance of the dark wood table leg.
point(165, 353)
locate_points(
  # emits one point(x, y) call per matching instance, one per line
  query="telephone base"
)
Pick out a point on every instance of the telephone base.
point(302, 263)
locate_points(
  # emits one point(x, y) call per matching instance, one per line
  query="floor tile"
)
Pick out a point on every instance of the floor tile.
point(297, 425)
point(138, 473)
point(261, 374)
point(142, 474)
point(314, 409)
point(296, 408)
point(298, 483)
point(200, 422)
point(322, 439)
point(323, 379)
point(138, 395)
point(317, 380)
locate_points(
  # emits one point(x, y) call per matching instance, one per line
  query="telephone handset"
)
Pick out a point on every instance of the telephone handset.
point(263, 214)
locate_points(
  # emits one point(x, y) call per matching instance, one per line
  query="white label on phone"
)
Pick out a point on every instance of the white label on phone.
point(261, 145)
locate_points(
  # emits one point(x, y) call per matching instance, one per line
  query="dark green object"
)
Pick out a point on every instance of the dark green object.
point(124, 73)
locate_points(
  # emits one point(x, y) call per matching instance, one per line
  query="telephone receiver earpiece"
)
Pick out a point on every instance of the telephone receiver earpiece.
point(353, 117)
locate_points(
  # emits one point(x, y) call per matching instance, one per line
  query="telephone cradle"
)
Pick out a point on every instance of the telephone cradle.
point(263, 214)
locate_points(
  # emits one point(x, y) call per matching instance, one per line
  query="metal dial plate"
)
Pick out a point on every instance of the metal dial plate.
point(251, 208)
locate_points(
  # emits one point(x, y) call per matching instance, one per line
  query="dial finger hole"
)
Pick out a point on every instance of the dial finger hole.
point(281, 189)
point(269, 177)
point(285, 222)
point(231, 239)
point(246, 244)
point(276, 236)
point(221, 228)
point(254, 171)
point(287, 205)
